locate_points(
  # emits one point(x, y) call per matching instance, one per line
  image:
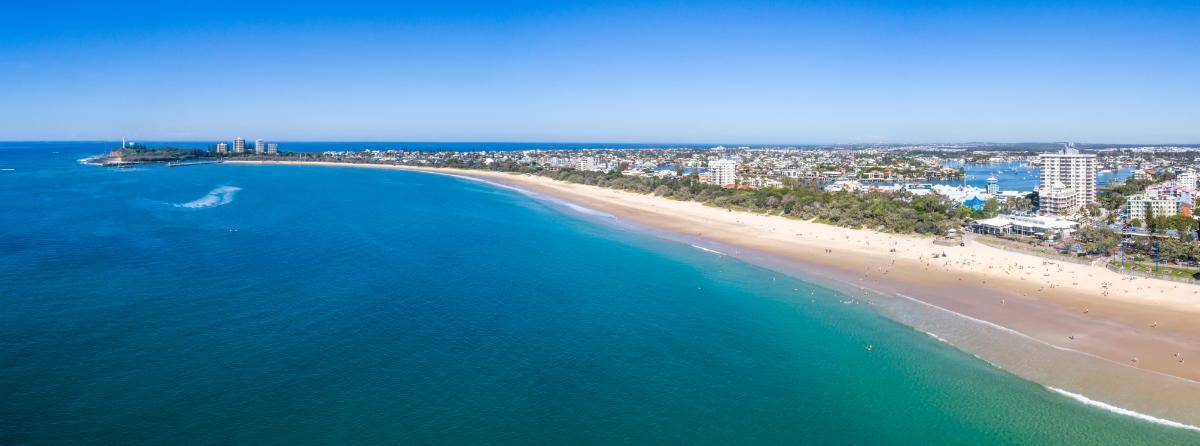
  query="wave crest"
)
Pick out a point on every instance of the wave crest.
point(708, 250)
point(1120, 410)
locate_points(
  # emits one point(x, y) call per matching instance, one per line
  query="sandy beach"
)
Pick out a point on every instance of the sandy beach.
point(1138, 324)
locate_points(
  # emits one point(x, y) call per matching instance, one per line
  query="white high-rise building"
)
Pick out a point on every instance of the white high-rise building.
point(993, 185)
point(1075, 171)
point(722, 172)
point(259, 148)
point(222, 148)
point(1187, 179)
point(272, 148)
point(239, 145)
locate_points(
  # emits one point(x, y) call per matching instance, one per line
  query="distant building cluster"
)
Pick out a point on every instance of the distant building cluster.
point(260, 147)
point(1164, 199)
point(1066, 189)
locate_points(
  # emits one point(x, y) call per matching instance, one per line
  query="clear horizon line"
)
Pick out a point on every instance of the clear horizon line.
point(651, 143)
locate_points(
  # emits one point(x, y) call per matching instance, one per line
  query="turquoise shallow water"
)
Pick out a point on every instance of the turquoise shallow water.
point(283, 305)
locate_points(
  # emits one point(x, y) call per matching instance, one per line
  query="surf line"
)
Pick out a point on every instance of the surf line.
point(536, 195)
point(1039, 341)
point(1080, 398)
point(708, 250)
point(1120, 410)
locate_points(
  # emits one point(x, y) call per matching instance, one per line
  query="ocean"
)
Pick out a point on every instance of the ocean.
point(235, 304)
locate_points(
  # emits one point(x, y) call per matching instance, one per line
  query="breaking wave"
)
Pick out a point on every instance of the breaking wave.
point(1121, 411)
point(708, 250)
point(216, 197)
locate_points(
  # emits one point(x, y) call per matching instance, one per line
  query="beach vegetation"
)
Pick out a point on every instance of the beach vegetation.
point(883, 211)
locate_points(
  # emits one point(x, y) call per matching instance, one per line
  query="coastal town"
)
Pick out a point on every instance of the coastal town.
point(1045, 243)
point(599, 222)
point(1131, 206)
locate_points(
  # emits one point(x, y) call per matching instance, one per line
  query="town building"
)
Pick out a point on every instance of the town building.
point(1058, 199)
point(1040, 226)
point(259, 148)
point(723, 172)
point(1160, 205)
point(222, 148)
point(993, 185)
point(1187, 179)
point(239, 145)
point(585, 163)
point(272, 148)
point(1072, 170)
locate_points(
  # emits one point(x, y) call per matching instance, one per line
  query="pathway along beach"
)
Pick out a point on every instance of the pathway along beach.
point(1125, 341)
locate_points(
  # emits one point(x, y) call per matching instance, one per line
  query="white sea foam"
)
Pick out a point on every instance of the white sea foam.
point(708, 250)
point(572, 206)
point(939, 338)
point(487, 182)
point(1121, 411)
point(584, 209)
point(1039, 341)
point(1075, 396)
point(216, 197)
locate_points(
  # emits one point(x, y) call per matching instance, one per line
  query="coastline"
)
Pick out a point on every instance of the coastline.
point(1043, 303)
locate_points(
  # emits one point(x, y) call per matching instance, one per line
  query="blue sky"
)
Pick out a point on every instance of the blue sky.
point(754, 72)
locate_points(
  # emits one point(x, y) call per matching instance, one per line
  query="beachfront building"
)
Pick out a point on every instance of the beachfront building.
point(1040, 226)
point(585, 163)
point(723, 172)
point(1058, 199)
point(1074, 171)
point(239, 145)
point(222, 148)
point(1159, 205)
point(272, 148)
point(993, 186)
point(259, 148)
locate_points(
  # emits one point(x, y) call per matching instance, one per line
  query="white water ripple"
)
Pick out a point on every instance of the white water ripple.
point(708, 250)
point(537, 195)
point(216, 197)
point(1120, 410)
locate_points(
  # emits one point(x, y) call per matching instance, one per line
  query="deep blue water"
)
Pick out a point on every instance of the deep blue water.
point(339, 306)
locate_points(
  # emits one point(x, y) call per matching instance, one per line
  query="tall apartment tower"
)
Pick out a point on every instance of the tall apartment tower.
point(239, 145)
point(993, 185)
point(722, 172)
point(222, 148)
point(259, 148)
point(1187, 179)
point(1070, 170)
point(272, 148)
